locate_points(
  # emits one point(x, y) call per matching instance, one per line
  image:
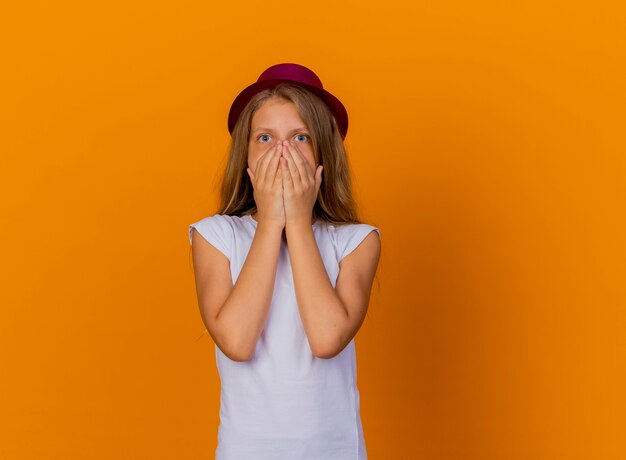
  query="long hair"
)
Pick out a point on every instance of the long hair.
point(335, 203)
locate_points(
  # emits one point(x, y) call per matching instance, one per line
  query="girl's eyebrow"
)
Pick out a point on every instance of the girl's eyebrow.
point(303, 128)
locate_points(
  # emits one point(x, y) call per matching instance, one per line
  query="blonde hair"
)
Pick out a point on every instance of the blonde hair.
point(335, 203)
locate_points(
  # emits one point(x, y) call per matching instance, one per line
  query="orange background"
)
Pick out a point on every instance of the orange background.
point(487, 144)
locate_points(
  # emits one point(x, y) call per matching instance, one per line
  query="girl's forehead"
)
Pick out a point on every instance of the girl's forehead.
point(276, 109)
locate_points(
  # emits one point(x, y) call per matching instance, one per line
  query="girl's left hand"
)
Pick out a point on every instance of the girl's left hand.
point(300, 185)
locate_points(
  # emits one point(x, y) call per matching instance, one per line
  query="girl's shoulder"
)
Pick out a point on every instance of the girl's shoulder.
point(212, 224)
point(220, 230)
point(223, 220)
point(347, 237)
point(346, 228)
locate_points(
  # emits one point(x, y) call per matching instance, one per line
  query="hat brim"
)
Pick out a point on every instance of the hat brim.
point(336, 107)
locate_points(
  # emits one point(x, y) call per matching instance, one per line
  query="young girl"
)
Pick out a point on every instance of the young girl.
point(283, 275)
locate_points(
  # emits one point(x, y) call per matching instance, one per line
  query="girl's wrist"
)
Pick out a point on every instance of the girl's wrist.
point(298, 224)
point(270, 225)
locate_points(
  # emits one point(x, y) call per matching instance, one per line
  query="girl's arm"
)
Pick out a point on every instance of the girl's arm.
point(235, 315)
point(331, 316)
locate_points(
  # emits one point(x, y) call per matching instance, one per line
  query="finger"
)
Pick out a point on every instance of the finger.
point(291, 163)
point(272, 166)
point(287, 179)
point(263, 163)
point(303, 165)
point(299, 155)
point(318, 178)
point(278, 179)
point(250, 175)
point(259, 164)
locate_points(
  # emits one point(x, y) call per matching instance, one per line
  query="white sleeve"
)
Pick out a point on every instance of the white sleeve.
point(216, 230)
point(350, 236)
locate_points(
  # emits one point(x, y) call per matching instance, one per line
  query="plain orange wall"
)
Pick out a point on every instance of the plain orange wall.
point(487, 144)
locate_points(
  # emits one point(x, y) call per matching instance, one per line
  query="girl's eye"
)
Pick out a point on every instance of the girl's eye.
point(302, 138)
point(264, 138)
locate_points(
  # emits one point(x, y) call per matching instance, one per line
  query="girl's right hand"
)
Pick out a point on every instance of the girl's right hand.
point(268, 187)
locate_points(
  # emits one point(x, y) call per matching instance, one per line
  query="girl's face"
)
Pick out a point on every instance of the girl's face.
point(276, 120)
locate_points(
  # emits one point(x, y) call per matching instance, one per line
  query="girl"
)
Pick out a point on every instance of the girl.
point(283, 275)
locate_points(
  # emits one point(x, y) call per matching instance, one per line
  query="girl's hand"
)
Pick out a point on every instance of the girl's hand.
point(301, 186)
point(268, 187)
